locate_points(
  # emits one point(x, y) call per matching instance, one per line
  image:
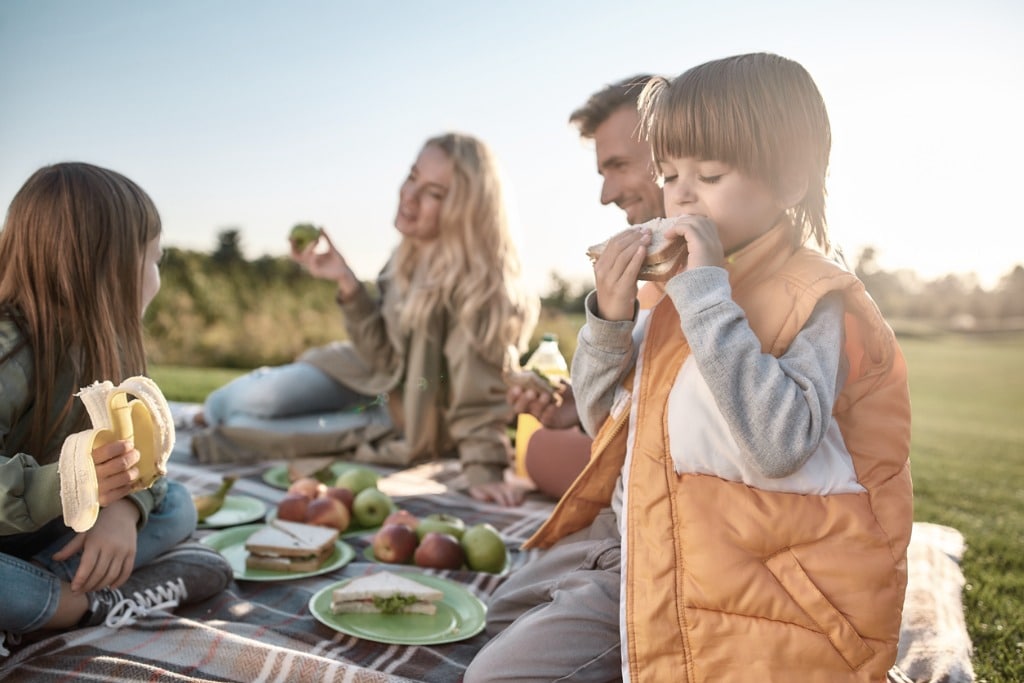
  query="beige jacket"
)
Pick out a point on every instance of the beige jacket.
point(444, 396)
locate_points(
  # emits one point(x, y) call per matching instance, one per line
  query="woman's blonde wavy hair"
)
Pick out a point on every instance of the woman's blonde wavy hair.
point(473, 266)
point(760, 113)
point(71, 257)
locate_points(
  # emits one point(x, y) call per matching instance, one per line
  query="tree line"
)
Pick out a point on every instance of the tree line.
point(219, 309)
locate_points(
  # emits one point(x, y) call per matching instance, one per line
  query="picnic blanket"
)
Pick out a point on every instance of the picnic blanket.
point(264, 631)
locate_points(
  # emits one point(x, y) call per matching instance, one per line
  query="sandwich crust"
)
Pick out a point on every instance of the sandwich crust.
point(535, 380)
point(290, 546)
point(385, 593)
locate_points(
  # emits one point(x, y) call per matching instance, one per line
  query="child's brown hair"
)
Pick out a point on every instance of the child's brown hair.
point(760, 113)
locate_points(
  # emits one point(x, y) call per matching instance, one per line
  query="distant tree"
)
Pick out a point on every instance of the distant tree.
point(564, 295)
point(1010, 293)
point(229, 248)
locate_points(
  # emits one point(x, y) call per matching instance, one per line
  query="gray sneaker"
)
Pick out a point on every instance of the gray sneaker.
point(186, 574)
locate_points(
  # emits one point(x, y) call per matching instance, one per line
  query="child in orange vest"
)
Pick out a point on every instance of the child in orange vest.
point(747, 508)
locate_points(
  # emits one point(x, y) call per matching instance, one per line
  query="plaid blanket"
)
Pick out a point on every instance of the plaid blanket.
point(263, 631)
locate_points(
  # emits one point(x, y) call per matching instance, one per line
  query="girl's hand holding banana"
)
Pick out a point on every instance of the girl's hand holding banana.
point(117, 470)
point(93, 455)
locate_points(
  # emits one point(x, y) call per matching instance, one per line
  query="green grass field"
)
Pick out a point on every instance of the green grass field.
point(967, 460)
point(968, 468)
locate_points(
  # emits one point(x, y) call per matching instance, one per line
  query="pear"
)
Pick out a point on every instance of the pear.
point(209, 503)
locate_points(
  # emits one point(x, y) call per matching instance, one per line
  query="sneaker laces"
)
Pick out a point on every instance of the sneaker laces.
point(15, 638)
point(162, 597)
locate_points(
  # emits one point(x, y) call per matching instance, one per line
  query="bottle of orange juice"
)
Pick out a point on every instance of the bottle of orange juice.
point(547, 359)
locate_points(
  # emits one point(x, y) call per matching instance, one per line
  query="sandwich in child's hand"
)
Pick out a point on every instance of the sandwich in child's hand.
point(290, 547)
point(662, 254)
point(534, 380)
point(385, 593)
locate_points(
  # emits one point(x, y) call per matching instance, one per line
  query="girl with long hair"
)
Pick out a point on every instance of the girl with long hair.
point(79, 263)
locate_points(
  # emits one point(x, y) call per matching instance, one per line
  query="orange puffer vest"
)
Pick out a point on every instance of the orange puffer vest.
point(725, 582)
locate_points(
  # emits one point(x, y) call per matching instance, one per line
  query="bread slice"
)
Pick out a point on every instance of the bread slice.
point(385, 593)
point(662, 254)
point(309, 467)
point(290, 546)
point(288, 564)
point(534, 380)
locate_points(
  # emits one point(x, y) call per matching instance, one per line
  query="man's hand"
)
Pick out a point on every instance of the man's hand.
point(551, 414)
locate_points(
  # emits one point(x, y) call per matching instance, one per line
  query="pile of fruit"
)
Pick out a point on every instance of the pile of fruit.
point(352, 501)
point(439, 541)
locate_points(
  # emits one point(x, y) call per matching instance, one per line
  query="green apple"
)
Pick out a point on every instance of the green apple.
point(355, 479)
point(484, 548)
point(302, 235)
point(442, 524)
point(371, 507)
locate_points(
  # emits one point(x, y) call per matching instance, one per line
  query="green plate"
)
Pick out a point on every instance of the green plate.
point(370, 557)
point(231, 544)
point(277, 476)
point(460, 615)
point(236, 510)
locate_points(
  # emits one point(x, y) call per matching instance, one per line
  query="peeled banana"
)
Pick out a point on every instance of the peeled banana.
point(146, 420)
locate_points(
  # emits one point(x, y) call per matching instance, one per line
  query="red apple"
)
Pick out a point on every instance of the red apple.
point(293, 507)
point(402, 517)
point(439, 551)
point(344, 495)
point(327, 511)
point(309, 486)
point(394, 543)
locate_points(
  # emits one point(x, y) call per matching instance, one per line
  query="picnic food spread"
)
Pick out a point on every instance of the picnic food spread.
point(438, 541)
point(145, 420)
point(662, 254)
point(290, 546)
point(385, 593)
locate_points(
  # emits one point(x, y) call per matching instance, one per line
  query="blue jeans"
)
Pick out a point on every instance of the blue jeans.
point(296, 390)
point(31, 592)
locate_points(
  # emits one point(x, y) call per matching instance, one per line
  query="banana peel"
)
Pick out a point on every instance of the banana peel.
point(208, 504)
point(144, 420)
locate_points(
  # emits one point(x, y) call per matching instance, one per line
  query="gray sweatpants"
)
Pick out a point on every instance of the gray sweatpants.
point(557, 618)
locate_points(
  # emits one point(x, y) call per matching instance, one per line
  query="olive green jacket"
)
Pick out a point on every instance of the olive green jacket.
point(30, 484)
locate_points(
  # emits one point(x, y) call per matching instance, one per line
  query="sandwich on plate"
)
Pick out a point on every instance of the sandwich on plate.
point(385, 593)
point(283, 546)
point(315, 467)
point(662, 254)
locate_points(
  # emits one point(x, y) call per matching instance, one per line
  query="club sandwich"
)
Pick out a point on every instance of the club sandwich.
point(290, 547)
point(385, 593)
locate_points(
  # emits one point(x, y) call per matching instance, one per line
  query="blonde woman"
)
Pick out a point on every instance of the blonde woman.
point(448, 314)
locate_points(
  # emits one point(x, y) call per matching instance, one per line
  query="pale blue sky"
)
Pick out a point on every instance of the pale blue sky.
point(259, 114)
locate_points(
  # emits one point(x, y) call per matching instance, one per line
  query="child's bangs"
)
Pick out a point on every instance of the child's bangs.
point(688, 119)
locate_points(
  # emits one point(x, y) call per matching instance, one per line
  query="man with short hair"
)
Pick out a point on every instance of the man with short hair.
point(557, 452)
point(610, 119)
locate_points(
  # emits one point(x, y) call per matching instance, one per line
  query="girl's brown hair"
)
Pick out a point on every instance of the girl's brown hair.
point(72, 252)
point(760, 113)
